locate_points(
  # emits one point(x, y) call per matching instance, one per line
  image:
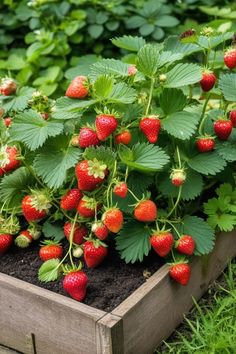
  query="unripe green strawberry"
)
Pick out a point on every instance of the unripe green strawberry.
point(94, 253)
point(145, 211)
point(178, 177)
point(180, 272)
point(162, 242)
point(24, 239)
point(113, 219)
point(75, 284)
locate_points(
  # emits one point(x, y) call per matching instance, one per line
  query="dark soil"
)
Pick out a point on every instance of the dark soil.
point(109, 284)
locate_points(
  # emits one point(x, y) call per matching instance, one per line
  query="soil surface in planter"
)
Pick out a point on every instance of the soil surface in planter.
point(109, 284)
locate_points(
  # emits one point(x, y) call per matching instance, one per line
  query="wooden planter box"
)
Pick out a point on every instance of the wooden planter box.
point(38, 321)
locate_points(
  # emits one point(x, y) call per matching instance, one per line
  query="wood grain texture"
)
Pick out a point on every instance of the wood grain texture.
point(155, 309)
point(4, 350)
point(60, 325)
point(110, 337)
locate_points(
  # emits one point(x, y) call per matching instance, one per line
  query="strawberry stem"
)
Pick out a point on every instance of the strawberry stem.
point(134, 195)
point(150, 95)
point(176, 202)
point(178, 157)
point(202, 119)
point(126, 173)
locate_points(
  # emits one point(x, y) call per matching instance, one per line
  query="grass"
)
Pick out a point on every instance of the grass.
point(211, 326)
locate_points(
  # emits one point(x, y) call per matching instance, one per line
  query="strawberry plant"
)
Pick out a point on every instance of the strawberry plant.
point(125, 155)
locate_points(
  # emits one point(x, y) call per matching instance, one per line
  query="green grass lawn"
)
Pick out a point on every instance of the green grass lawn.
point(211, 326)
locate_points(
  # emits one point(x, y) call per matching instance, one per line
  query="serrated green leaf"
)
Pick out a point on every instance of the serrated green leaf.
point(103, 86)
point(225, 222)
point(172, 100)
point(191, 189)
point(67, 108)
point(30, 128)
point(144, 157)
point(101, 153)
point(227, 150)
point(212, 42)
point(207, 164)
point(182, 75)
point(54, 231)
point(201, 232)
point(122, 93)
point(112, 67)
point(49, 270)
point(167, 57)
point(130, 43)
point(174, 45)
point(181, 125)
point(227, 85)
point(133, 242)
point(53, 162)
point(18, 102)
point(148, 59)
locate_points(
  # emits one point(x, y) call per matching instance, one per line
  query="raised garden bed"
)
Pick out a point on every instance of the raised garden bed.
point(35, 320)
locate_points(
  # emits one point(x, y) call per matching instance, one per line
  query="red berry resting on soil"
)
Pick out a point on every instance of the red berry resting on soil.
point(113, 219)
point(8, 87)
point(87, 137)
point(75, 284)
point(105, 125)
point(80, 231)
point(121, 190)
point(100, 230)
point(50, 250)
point(162, 242)
point(6, 241)
point(87, 207)
point(94, 253)
point(90, 173)
point(223, 128)
point(150, 126)
point(78, 88)
point(180, 272)
point(8, 158)
point(205, 144)
point(208, 80)
point(230, 58)
point(178, 177)
point(123, 137)
point(232, 116)
point(185, 245)
point(35, 206)
point(24, 239)
point(145, 211)
point(71, 199)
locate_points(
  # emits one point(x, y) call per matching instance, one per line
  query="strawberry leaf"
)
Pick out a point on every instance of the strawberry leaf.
point(227, 85)
point(130, 43)
point(173, 44)
point(49, 271)
point(182, 75)
point(54, 231)
point(144, 157)
point(181, 125)
point(101, 153)
point(122, 93)
point(172, 100)
point(31, 129)
point(103, 86)
point(111, 67)
point(133, 241)
point(148, 59)
point(17, 102)
point(227, 150)
point(68, 108)
point(208, 163)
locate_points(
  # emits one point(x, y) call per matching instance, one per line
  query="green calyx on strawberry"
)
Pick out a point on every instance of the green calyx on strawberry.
point(8, 158)
point(180, 271)
point(90, 173)
point(113, 219)
point(78, 88)
point(34, 230)
point(150, 126)
point(8, 87)
point(50, 250)
point(178, 176)
point(24, 239)
point(40, 103)
point(6, 241)
point(185, 245)
point(9, 225)
point(162, 242)
point(75, 282)
point(95, 252)
point(35, 206)
point(105, 124)
point(87, 207)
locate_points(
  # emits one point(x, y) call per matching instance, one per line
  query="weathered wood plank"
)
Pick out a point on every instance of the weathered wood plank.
point(110, 335)
point(4, 350)
point(155, 309)
point(60, 325)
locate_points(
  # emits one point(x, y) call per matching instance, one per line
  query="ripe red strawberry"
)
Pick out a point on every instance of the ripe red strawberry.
point(123, 137)
point(162, 242)
point(8, 87)
point(230, 58)
point(178, 177)
point(90, 173)
point(180, 272)
point(7, 121)
point(100, 230)
point(145, 211)
point(105, 125)
point(35, 206)
point(87, 207)
point(132, 70)
point(94, 253)
point(78, 88)
point(113, 219)
point(223, 128)
point(50, 250)
point(5, 242)
point(205, 144)
point(232, 116)
point(8, 158)
point(208, 80)
point(121, 190)
point(75, 284)
point(80, 231)
point(185, 245)
point(150, 126)
point(24, 239)
point(71, 199)
point(87, 137)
